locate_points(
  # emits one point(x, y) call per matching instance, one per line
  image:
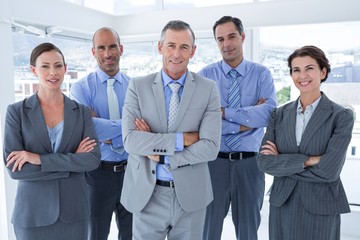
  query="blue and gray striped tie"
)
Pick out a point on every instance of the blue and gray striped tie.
point(233, 141)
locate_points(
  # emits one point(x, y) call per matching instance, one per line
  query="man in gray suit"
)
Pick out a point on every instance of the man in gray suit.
point(167, 183)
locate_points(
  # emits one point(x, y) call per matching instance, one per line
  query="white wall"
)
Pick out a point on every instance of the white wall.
point(257, 14)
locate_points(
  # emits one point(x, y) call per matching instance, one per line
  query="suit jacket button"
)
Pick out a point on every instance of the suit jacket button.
point(153, 171)
point(154, 150)
point(164, 150)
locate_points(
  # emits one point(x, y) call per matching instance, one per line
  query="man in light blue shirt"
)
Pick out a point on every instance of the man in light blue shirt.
point(247, 96)
point(171, 130)
point(94, 91)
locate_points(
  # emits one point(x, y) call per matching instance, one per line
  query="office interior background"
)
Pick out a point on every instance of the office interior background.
point(273, 28)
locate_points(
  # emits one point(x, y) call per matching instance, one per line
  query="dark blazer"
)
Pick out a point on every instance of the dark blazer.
point(328, 135)
point(57, 188)
point(199, 111)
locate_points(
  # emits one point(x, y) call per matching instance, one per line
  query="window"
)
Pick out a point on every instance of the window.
point(77, 56)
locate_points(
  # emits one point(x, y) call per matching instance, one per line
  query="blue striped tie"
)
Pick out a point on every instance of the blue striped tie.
point(233, 141)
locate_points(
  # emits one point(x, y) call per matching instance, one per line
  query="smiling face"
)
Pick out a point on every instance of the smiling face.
point(107, 51)
point(307, 75)
point(177, 48)
point(230, 43)
point(50, 70)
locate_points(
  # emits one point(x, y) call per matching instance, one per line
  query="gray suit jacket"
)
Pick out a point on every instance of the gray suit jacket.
point(327, 134)
point(57, 188)
point(199, 111)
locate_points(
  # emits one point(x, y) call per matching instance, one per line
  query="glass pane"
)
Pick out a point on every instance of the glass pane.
point(341, 44)
point(206, 52)
point(77, 56)
point(140, 59)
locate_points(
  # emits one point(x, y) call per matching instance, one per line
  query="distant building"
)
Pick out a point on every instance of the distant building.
point(345, 74)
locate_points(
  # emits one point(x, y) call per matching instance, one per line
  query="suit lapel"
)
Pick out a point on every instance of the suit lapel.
point(322, 112)
point(158, 90)
point(70, 118)
point(289, 126)
point(185, 101)
point(36, 117)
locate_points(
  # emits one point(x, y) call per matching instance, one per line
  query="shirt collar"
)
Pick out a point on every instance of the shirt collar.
point(311, 107)
point(241, 68)
point(102, 76)
point(166, 79)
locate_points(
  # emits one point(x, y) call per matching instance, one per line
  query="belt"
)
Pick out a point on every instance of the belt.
point(165, 183)
point(233, 156)
point(113, 166)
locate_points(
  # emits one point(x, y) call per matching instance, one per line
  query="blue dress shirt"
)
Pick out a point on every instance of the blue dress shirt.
point(255, 82)
point(161, 173)
point(91, 91)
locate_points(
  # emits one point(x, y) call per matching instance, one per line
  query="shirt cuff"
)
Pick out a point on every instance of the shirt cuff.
point(166, 159)
point(179, 142)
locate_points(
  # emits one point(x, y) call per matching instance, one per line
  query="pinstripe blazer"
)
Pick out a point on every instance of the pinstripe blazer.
point(327, 134)
point(57, 188)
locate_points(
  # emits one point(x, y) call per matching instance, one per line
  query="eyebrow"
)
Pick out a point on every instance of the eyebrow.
point(310, 65)
point(47, 63)
point(229, 35)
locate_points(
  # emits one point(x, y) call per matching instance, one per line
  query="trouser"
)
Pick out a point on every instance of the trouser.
point(105, 191)
point(241, 184)
point(164, 217)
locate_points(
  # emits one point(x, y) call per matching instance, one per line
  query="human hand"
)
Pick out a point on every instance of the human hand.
point(19, 158)
point(269, 149)
point(93, 113)
point(223, 112)
point(86, 145)
point(190, 138)
point(312, 161)
point(244, 128)
point(142, 125)
point(260, 101)
point(155, 158)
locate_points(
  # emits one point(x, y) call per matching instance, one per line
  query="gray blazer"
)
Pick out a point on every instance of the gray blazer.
point(328, 135)
point(57, 188)
point(199, 111)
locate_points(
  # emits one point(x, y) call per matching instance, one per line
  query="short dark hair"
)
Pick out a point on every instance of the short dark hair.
point(313, 52)
point(177, 25)
point(225, 19)
point(106, 29)
point(40, 49)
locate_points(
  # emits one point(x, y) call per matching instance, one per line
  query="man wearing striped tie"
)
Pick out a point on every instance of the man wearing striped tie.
point(247, 98)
